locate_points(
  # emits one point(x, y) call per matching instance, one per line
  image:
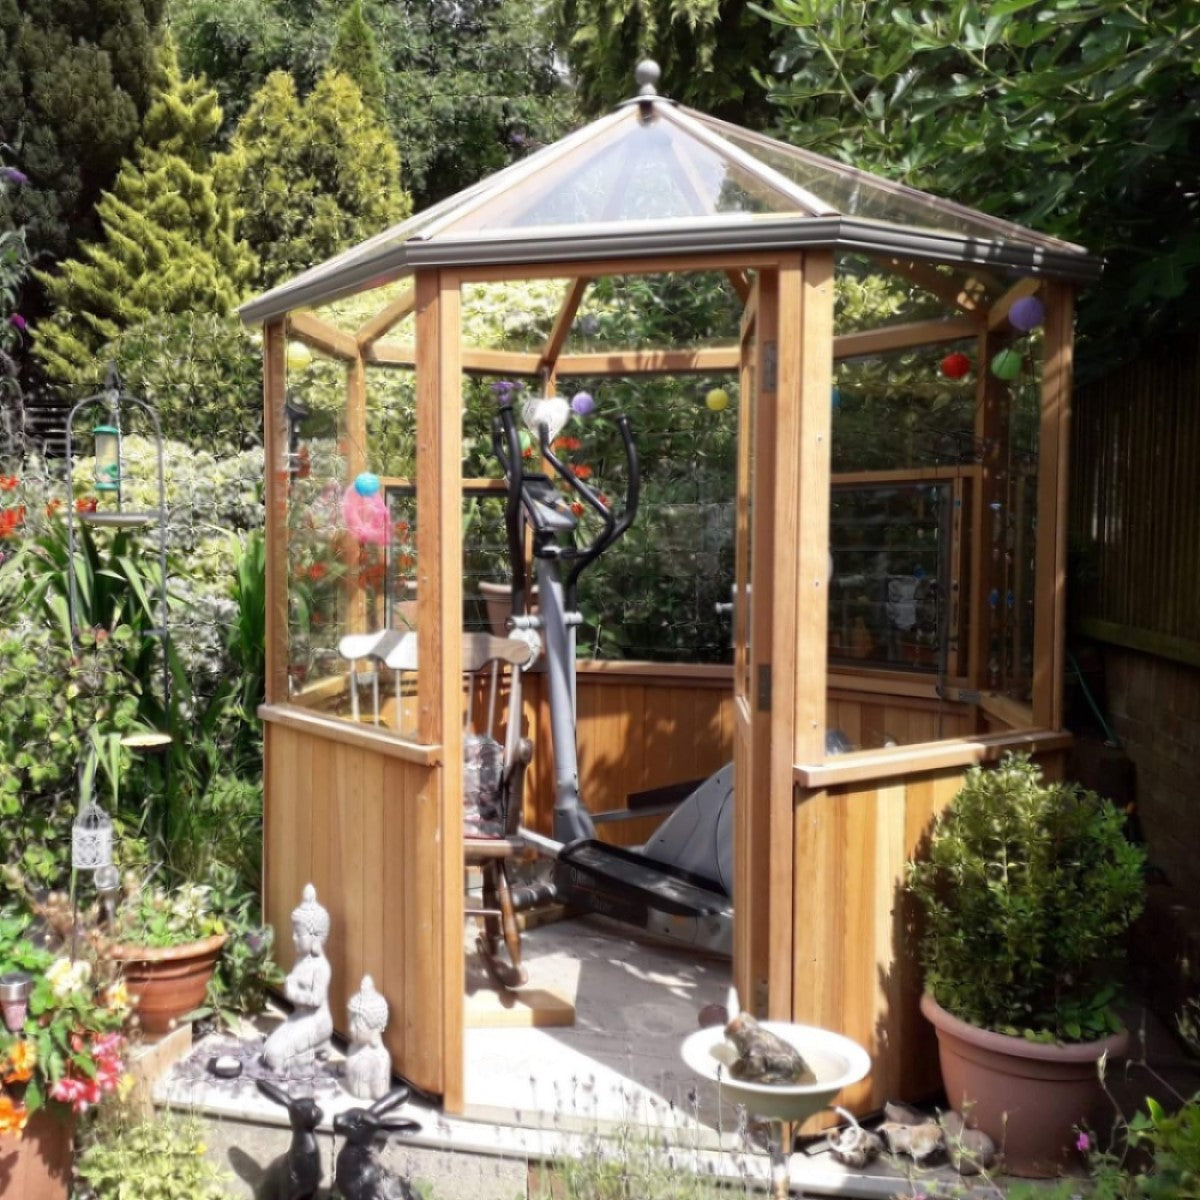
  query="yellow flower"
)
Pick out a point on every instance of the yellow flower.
point(22, 1058)
point(116, 996)
point(126, 1086)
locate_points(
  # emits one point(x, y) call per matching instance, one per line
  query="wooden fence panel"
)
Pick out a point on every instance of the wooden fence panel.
point(1135, 504)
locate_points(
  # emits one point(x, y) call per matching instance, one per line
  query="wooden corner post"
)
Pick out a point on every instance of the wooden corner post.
point(1050, 566)
point(275, 452)
point(439, 652)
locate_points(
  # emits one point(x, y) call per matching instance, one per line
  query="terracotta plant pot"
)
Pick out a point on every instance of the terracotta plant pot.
point(168, 981)
point(1029, 1097)
point(37, 1165)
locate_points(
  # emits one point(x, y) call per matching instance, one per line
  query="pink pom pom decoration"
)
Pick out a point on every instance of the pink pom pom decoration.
point(366, 516)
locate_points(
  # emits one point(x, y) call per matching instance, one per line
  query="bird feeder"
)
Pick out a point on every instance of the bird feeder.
point(91, 839)
point(15, 989)
point(108, 458)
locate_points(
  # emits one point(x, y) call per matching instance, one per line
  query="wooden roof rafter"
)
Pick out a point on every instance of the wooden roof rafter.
point(969, 297)
point(561, 328)
point(387, 318)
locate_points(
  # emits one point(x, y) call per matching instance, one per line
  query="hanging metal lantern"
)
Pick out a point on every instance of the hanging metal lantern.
point(15, 988)
point(108, 458)
point(91, 839)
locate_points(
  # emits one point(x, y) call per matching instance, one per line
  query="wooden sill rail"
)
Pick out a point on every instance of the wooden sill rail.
point(863, 766)
point(335, 729)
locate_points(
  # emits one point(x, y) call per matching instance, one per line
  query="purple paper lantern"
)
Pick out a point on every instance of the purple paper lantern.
point(1027, 313)
point(582, 404)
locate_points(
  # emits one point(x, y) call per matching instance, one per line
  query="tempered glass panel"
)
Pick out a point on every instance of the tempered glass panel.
point(890, 546)
point(858, 194)
point(900, 411)
point(639, 169)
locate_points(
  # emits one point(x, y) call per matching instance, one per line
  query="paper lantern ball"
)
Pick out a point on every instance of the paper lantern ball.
point(955, 366)
point(1007, 364)
point(583, 404)
point(717, 400)
point(1027, 313)
point(525, 439)
point(367, 484)
point(299, 356)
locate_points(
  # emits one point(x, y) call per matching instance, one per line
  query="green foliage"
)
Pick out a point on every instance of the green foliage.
point(468, 86)
point(1027, 893)
point(167, 244)
point(154, 916)
point(1078, 117)
point(201, 372)
point(160, 1158)
point(246, 641)
point(14, 267)
point(355, 54)
point(50, 700)
point(75, 80)
point(312, 178)
point(707, 50)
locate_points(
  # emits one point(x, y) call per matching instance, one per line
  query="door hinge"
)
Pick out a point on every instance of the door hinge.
point(764, 687)
point(770, 366)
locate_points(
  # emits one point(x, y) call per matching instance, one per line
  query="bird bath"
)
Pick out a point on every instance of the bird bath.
point(836, 1061)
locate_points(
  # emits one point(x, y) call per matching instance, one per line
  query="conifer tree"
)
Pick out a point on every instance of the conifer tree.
point(355, 54)
point(167, 243)
point(75, 80)
point(312, 178)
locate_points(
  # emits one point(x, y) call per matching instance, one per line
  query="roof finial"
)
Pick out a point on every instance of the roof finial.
point(646, 75)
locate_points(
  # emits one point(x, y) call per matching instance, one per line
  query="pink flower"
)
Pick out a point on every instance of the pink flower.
point(80, 1094)
point(18, 322)
point(1083, 1143)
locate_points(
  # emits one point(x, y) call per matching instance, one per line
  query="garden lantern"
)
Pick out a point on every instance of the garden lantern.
point(91, 838)
point(15, 988)
point(108, 458)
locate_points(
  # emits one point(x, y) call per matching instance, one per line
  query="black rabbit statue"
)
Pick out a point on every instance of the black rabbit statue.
point(359, 1174)
point(304, 1155)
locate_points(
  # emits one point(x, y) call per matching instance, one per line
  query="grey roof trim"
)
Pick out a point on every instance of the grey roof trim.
point(875, 237)
point(651, 240)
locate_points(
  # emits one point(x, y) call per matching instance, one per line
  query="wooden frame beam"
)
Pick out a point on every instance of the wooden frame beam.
point(320, 335)
point(562, 324)
point(650, 362)
point(278, 480)
point(1050, 566)
point(970, 296)
point(482, 362)
point(998, 313)
point(904, 337)
point(371, 331)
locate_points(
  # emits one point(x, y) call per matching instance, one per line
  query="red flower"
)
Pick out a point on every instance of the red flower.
point(86, 505)
point(9, 483)
point(582, 472)
point(577, 508)
point(317, 572)
point(53, 507)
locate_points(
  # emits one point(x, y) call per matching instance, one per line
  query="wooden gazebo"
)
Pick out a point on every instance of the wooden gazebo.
point(372, 812)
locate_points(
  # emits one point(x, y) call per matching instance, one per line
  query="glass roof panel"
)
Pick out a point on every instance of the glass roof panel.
point(642, 168)
point(856, 193)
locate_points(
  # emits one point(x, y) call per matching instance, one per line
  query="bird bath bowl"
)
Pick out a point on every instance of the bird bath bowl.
point(836, 1061)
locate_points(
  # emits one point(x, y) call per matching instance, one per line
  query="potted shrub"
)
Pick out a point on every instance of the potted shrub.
point(1028, 890)
point(61, 1053)
point(167, 944)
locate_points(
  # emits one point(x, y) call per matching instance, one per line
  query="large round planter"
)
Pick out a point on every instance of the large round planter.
point(1029, 1097)
point(37, 1165)
point(168, 981)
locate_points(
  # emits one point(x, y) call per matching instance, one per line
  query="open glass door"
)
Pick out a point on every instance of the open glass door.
point(749, 964)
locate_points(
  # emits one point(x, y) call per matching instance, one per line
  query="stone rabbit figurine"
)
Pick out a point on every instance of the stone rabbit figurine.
point(303, 1156)
point(359, 1174)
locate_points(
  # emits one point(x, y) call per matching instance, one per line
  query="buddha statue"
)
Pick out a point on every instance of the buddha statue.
point(306, 1032)
point(368, 1064)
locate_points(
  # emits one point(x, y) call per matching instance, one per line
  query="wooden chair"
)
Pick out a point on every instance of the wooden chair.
point(492, 855)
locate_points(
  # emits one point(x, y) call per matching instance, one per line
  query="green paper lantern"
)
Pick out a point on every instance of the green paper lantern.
point(1006, 365)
